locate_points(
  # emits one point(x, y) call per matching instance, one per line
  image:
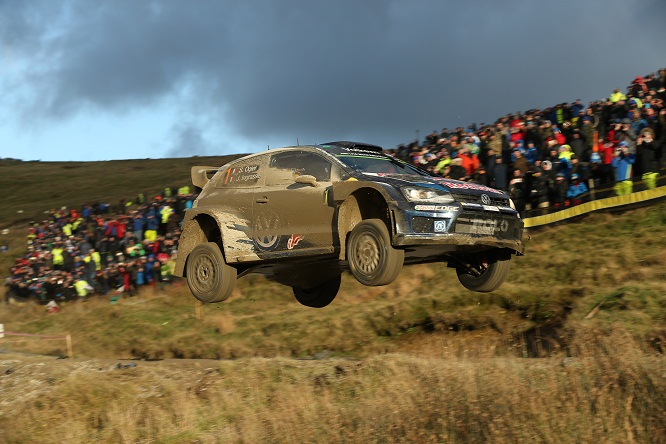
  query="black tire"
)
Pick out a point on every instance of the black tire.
point(320, 295)
point(486, 273)
point(372, 259)
point(209, 277)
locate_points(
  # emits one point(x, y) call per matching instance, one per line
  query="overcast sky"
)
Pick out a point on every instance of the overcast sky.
point(123, 79)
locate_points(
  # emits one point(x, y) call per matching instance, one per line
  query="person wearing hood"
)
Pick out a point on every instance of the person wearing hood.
point(648, 152)
point(576, 190)
point(617, 95)
point(623, 162)
point(564, 157)
point(444, 160)
point(579, 145)
point(638, 86)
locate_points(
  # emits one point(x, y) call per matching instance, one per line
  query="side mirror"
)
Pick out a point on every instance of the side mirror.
point(307, 179)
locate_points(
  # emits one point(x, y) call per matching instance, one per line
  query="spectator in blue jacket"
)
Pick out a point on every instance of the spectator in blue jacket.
point(576, 191)
point(623, 162)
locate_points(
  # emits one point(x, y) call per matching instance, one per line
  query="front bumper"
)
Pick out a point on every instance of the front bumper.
point(458, 225)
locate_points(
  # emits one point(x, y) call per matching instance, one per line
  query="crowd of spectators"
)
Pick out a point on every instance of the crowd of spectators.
point(100, 250)
point(552, 158)
point(544, 158)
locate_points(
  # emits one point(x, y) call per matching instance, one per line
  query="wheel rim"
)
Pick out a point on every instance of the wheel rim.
point(205, 273)
point(367, 254)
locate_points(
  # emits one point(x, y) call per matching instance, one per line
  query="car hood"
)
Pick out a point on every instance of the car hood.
point(450, 185)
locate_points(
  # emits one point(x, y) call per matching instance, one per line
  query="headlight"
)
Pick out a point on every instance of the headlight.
point(415, 194)
point(514, 207)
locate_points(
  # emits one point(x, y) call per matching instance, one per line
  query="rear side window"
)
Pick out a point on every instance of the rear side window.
point(283, 167)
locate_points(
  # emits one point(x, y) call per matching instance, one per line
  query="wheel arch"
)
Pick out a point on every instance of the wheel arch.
point(361, 204)
point(197, 229)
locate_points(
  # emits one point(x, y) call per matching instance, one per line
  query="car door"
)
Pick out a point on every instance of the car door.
point(293, 218)
point(233, 198)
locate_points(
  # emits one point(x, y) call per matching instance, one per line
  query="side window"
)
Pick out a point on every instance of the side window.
point(244, 174)
point(284, 166)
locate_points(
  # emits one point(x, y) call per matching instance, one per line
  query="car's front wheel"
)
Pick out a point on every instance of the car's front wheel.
point(484, 272)
point(209, 277)
point(320, 295)
point(372, 259)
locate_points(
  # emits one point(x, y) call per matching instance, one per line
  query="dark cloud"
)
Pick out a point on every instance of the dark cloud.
point(187, 139)
point(275, 72)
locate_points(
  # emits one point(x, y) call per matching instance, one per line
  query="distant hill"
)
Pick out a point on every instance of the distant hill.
point(30, 188)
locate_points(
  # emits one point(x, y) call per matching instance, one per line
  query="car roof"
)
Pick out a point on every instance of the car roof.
point(354, 145)
point(332, 148)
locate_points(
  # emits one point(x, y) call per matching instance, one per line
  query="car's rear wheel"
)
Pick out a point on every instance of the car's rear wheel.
point(484, 272)
point(372, 259)
point(209, 277)
point(320, 295)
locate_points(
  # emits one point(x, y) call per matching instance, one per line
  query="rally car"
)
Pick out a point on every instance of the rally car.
point(303, 215)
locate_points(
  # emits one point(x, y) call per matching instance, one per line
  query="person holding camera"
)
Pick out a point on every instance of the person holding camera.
point(623, 161)
point(624, 133)
point(648, 152)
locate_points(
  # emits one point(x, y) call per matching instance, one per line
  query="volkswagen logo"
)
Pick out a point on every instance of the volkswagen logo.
point(485, 199)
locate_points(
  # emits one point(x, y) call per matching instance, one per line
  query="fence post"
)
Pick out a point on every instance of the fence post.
point(198, 310)
point(70, 351)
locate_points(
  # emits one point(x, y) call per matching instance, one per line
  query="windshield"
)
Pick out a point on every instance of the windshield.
point(369, 164)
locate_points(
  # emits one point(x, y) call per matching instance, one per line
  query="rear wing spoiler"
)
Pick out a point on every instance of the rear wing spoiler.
point(202, 174)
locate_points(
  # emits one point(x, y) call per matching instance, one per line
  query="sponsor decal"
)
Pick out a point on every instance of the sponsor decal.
point(476, 226)
point(266, 243)
point(294, 240)
point(446, 208)
point(264, 227)
point(491, 208)
point(247, 173)
point(440, 226)
point(464, 185)
point(376, 174)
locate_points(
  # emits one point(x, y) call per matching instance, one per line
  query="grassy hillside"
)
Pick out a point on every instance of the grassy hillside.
point(30, 188)
point(420, 360)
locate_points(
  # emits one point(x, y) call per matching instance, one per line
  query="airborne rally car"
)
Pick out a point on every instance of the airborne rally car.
point(302, 215)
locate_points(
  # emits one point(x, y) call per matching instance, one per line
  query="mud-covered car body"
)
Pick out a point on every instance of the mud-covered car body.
point(289, 213)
